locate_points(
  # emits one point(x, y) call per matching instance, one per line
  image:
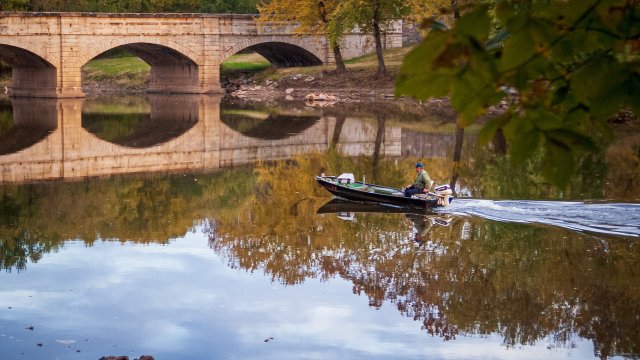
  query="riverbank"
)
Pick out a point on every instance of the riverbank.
point(250, 77)
point(247, 78)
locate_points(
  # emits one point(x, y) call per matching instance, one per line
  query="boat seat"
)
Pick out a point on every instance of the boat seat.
point(431, 182)
point(429, 194)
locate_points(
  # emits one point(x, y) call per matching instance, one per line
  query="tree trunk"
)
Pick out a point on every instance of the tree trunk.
point(456, 9)
point(337, 130)
point(337, 55)
point(457, 155)
point(499, 142)
point(382, 118)
point(382, 70)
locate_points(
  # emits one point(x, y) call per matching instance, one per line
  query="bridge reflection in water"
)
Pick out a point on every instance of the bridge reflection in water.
point(75, 138)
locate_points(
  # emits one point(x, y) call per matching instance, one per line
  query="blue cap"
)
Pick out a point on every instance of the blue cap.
point(419, 164)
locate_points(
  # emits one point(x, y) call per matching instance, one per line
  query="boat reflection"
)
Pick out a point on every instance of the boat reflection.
point(423, 220)
point(338, 205)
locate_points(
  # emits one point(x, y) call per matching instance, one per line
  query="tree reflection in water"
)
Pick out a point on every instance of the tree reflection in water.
point(456, 275)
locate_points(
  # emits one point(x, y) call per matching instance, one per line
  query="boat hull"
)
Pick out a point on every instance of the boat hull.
point(359, 195)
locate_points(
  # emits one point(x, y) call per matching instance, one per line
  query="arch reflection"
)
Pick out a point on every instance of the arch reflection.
point(266, 125)
point(23, 126)
point(136, 123)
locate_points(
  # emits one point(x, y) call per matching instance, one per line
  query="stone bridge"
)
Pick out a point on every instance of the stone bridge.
point(47, 50)
point(53, 142)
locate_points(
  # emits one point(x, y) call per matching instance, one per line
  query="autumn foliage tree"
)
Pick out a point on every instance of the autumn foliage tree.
point(312, 16)
point(372, 17)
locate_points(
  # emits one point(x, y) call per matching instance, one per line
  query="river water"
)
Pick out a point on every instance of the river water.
point(186, 227)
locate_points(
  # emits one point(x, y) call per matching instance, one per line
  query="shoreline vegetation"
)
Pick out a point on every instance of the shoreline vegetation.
point(248, 77)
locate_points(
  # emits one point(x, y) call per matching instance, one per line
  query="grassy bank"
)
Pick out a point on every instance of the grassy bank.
point(132, 72)
point(361, 73)
point(128, 71)
point(244, 63)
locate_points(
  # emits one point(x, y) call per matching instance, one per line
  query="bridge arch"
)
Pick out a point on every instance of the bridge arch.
point(174, 68)
point(154, 42)
point(282, 51)
point(28, 48)
point(31, 71)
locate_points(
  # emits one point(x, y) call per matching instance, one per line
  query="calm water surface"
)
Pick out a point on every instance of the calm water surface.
point(186, 227)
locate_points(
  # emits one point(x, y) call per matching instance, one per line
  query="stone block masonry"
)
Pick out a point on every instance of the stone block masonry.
point(47, 50)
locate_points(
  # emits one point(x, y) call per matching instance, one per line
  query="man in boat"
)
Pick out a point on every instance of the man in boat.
point(421, 184)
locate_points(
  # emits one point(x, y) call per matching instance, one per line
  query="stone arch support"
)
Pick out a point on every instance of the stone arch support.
point(32, 74)
point(283, 50)
point(174, 68)
point(35, 48)
point(93, 51)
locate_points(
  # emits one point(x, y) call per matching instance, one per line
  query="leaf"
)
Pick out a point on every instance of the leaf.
point(524, 145)
point(600, 85)
point(518, 48)
point(475, 24)
point(488, 131)
point(558, 164)
point(418, 76)
point(466, 99)
point(571, 139)
point(505, 11)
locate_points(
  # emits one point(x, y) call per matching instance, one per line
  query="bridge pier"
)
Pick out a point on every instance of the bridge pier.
point(34, 82)
point(41, 83)
point(180, 79)
point(45, 82)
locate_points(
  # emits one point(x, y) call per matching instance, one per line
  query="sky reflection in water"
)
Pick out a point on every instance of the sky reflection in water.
point(182, 301)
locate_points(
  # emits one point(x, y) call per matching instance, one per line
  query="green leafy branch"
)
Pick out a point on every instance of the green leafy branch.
point(568, 66)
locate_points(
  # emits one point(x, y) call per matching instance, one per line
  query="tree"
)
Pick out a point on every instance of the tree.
point(213, 6)
point(372, 17)
point(571, 65)
point(229, 6)
point(13, 5)
point(424, 9)
point(313, 16)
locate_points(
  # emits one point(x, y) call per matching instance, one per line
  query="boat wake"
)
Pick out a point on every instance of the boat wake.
point(622, 219)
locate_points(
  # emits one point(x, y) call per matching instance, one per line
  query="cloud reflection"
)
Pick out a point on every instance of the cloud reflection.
point(182, 301)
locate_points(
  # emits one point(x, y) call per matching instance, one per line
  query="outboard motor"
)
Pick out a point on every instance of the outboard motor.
point(443, 192)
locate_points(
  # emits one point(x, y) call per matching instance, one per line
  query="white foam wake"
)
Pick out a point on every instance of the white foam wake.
point(607, 218)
